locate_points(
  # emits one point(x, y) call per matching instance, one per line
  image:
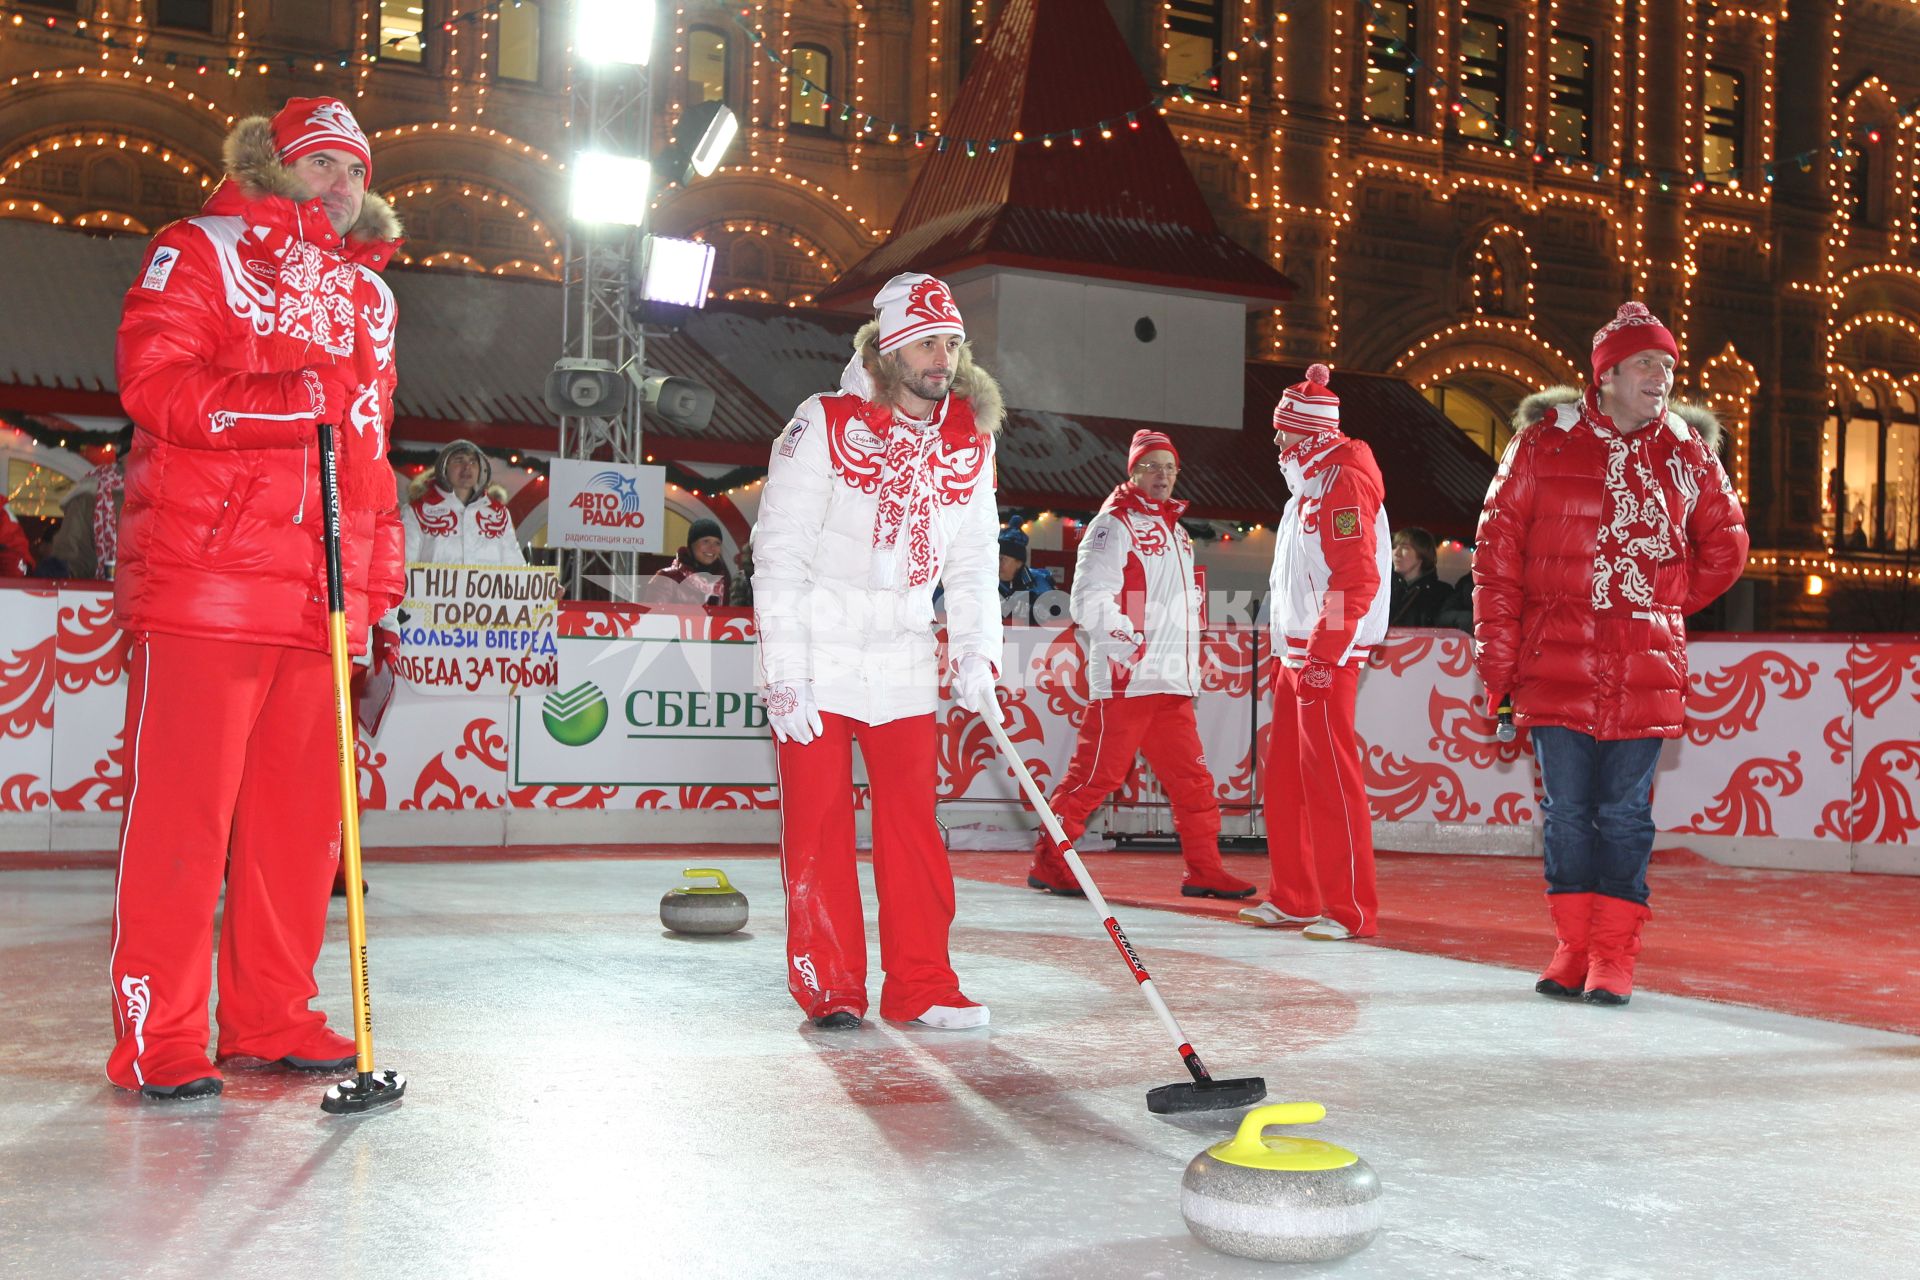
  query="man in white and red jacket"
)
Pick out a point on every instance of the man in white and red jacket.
point(876, 495)
point(455, 514)
point(1609, 521)
point(247, 328)
point(1137, 605)
point(1329, 599)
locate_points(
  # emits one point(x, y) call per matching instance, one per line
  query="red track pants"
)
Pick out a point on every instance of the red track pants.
point(826, 928)
point(232, 773)
point(1162, 726)
point(1319, 828)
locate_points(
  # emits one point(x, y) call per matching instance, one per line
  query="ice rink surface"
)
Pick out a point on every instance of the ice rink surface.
point(590, 1096)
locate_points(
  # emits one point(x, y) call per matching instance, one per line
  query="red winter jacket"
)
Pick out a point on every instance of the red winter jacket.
point(1621, 672)
point(221, 534)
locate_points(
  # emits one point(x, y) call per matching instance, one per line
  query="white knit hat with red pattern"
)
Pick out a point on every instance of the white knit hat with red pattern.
point(913, 306)
point(1308, 408)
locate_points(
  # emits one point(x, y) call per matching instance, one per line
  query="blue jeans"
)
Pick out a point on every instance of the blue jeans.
point(1599, 811)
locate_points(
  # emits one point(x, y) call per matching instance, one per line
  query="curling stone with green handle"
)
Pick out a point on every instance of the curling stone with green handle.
point(704, 908)
point(1281, 1199)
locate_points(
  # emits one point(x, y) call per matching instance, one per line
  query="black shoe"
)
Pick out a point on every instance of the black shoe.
point(1548, 987)
point(204, 1087)
point(838, 1020)
point(1600, 995)
point(327, 1065)
point(1195, 891)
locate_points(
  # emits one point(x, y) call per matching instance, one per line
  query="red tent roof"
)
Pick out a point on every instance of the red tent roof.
point(1124, 208)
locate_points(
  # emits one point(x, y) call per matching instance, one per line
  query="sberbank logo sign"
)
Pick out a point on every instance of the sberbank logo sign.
point(577, 716)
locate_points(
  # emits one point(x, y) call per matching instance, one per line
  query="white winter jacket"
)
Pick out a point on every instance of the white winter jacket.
point(1135, 599)
point(1331, 557)
point(832, 604)
point(443, 530)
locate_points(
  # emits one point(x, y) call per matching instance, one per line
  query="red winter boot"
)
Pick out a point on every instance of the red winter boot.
point(1572, 917)
point(1614, 942)
point(1051, 872)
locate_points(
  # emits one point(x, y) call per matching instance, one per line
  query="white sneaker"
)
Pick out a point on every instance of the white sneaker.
point(1268, 916)
point(1327, 929)
point(946, 1017)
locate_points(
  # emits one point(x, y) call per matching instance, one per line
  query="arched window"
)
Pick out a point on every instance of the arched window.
point(1192, 37)
point(808, 87)
point(1390, 59)
point(707, 66)
point(518, 54)
point(1723, 149)
point(401, 24)
point(1480, 404)
point(1862, 188)
point(1873, 471)
point(187, 15)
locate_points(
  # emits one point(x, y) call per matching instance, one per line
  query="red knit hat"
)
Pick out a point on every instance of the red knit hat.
point(1632, 330)
point(1145, 441)
point(307, 125)
point(1308, 408)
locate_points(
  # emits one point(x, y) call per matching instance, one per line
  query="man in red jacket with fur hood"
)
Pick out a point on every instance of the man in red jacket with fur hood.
point(247, 328)
point(1609, 521)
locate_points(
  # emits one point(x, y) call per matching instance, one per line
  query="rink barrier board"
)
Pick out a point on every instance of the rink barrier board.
point(1800, 751)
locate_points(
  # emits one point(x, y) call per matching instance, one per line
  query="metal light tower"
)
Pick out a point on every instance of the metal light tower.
point(612, 117)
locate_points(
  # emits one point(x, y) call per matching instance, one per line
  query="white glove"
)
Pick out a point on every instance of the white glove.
point(1133, 648)
point(791, 712)
point(974, 686)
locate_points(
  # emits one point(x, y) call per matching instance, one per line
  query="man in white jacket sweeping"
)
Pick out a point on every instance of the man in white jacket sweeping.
point(1137, 604)
point(876, 495)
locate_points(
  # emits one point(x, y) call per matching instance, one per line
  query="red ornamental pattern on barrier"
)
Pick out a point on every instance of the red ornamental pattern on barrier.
point(1399, 788)
point(1875, 674)
point(1463, 734)
point(1882, 808)
point(1401, 652)
point(1062, 677)
point(22, 794)
point(103, 789)
point(26, 690)
point(1511, 810)
point(1838, 735)
point(93, 649)
point(964, 747)
point(440, 787)
point(547, 796)
point(373, 783)
point(1227, 661)
point(1727, 703)
point(1742, 808)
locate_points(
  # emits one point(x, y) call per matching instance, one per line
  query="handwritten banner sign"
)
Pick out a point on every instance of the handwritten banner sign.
point(478, 628)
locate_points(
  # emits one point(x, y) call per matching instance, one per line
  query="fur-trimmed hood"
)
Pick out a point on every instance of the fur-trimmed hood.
point(253, 163)
point(422, 484)
point(1538, 405)
point(970, 382)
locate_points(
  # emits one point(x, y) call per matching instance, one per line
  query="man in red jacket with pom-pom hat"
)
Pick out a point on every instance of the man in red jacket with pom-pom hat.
point(1329, 601)
point(1609, 521)
point(246, 329)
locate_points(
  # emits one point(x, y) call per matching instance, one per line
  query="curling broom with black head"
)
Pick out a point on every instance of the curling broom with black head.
point(368, 1088)
point(1203, 1092)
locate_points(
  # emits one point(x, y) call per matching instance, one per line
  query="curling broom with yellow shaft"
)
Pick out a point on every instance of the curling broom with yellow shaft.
point(368, 1088)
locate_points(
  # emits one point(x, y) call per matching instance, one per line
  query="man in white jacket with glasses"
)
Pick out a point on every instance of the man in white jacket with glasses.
point(876, 495)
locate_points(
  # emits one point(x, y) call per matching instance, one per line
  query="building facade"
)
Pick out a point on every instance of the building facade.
point(1463, 190)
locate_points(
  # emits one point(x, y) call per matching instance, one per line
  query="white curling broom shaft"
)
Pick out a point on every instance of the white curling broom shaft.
point(1099, 904)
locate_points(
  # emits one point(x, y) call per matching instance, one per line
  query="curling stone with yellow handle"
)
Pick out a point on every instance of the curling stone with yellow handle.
point(1281, 1199)
point(704, 908)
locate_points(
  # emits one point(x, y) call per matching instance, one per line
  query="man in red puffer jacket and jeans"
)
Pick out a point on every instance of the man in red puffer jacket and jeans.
point(247, 328)
point(1609, 521)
